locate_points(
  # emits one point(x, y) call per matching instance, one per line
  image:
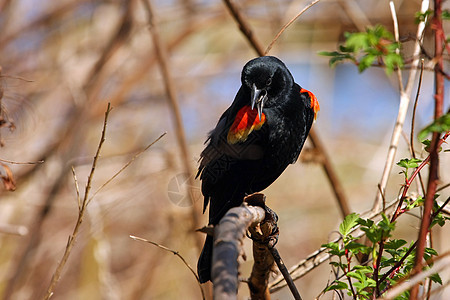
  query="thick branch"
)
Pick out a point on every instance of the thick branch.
point(228, 240)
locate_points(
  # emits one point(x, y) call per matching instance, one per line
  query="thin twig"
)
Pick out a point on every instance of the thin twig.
point(403, 108)
point(397, 39)
point(244, 27)
point(322, 255)
point(413, 120)
point(433, 176)
point(175, 253)
point(287, 25)
point(72, 238)
point(21, 163)
point(77, 188)
point(169, 85)
point(440, 263)
point(285, 272)
point(127, 165)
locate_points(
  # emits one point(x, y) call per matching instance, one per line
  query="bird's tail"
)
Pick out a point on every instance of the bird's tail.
point(204, 261)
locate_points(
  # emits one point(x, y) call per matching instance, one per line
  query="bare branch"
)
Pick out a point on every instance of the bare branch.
point(321, 255)
point(287, 25)
point(402, 110)
point(175, 253)
point(127, 165)
point(169, 85)
point(72, 238)
point(245, 27)
point(440, 263)
point(228, 240)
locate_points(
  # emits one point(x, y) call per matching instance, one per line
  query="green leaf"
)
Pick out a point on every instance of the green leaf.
point(409, 163)
point(436, 278)
point(337, 285)
point(357, 248)
point(394, 244)
point(392, 61)
point(445, 15)
point(421, 17)
point(365, 62)
point(440, 125)
point(431, 251)
point(348, 224)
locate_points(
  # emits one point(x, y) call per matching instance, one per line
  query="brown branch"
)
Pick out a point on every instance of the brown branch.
point(228, 240)
point(321, 255)
point(176, 253)
point(244, 27)
point(169, 86)
point(434, 146)
point(262, 266)
point(331, 174)
point(413, 120)
point(402, 110)
point(72, 238)
point(287, 25)
point(265, 236)
point(127, 165)
point(439, 263)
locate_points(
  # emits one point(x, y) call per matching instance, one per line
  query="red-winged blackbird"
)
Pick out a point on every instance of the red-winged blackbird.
point(256, 138)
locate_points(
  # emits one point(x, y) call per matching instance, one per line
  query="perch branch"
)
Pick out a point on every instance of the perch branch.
point(228, 240)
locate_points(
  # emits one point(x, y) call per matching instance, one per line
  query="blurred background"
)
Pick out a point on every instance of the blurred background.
point(63, 61)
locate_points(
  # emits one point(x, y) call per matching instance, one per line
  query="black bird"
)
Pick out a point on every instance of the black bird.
point(256, 138)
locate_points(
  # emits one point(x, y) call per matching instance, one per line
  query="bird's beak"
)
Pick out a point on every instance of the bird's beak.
point(258, 98)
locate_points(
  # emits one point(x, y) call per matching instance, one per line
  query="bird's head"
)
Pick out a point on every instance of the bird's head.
point(266, 77)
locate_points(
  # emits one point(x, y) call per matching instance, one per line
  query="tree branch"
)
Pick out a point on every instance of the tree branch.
point(228, 240)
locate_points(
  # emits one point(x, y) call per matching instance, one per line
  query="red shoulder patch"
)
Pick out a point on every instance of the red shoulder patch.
point(314, 102)
point(246, 121)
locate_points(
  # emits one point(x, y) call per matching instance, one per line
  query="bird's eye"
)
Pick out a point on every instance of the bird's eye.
point(269, 82)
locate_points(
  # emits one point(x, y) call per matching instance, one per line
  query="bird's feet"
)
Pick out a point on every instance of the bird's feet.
point(267, 232)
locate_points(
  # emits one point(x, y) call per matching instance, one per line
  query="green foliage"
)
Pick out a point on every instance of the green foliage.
point(362, 278)
point(366, 48)
point(446, 15)
point(337, 285)
point(407, 164)
point(348, 224)
point(440, 125)
point(423, 16)
point(392, 259)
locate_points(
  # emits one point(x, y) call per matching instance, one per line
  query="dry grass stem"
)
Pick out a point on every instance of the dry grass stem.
point(403, 108)
point(72, 238)
point(127, 165)
point(170, 89)
point(175, 253)
point(21, 163)
point(287, 25)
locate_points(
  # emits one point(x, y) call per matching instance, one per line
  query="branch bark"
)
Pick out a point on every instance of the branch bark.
point(434, 152)
point(228, 240)
point(161, 55)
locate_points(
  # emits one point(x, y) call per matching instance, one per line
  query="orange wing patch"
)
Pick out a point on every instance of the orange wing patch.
point(314, 102)
point(246, 121)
